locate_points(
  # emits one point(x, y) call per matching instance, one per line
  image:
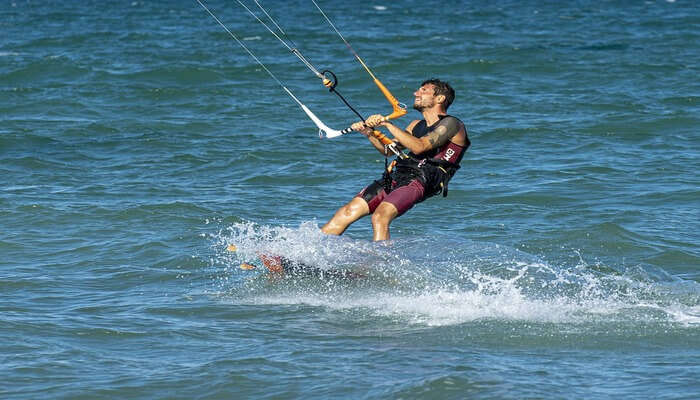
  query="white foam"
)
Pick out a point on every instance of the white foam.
point(444, 307)
point(459, 283)
point(684, 315)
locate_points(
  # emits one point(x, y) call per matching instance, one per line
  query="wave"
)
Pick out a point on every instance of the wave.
point(438, 281)
point(57, 68)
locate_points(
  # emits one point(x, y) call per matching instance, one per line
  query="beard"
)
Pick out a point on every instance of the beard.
point(423, 104)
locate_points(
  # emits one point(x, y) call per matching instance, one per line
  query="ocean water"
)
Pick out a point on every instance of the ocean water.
point(138, 140)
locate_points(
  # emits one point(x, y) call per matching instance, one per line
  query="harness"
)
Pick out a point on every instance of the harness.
point(434, 174)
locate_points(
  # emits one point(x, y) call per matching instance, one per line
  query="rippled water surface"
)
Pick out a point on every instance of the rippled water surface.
point(138, 140)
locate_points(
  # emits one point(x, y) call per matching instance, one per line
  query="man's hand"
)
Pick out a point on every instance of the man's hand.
point(372, 122)
point(375, 120)
point(361, 127)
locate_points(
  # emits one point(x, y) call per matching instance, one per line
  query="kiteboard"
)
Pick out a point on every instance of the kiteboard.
point(279, 265)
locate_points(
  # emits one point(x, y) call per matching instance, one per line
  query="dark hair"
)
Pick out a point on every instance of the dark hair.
point(442, 88)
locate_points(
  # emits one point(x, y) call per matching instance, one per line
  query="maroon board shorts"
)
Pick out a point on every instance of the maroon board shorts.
point(402, 197)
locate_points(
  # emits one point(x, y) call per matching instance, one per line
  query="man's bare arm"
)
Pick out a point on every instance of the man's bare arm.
point(362, 128)
point(447, 129)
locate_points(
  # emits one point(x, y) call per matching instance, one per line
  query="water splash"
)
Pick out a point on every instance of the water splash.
point(437, 281)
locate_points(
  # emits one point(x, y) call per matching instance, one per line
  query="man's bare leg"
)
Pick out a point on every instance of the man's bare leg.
point(346, 215)
point(381, 219)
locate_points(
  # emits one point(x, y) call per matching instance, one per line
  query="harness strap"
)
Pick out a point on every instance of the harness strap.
point(386, 176)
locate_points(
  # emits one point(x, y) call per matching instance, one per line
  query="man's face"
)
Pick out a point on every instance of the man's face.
point(424, 97)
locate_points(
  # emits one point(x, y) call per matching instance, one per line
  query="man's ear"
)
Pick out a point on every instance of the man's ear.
point(440, 98)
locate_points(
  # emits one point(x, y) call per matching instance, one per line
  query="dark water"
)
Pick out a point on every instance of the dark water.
point(137, 140)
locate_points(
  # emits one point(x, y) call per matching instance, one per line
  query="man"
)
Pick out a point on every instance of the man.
point(437, 144)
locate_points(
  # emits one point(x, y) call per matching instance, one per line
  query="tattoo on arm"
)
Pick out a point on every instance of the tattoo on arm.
point(445, 131)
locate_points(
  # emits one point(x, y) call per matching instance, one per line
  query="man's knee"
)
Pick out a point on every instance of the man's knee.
point(357, 207)
point(384, 213)
point(347, 214)
point(347, 211)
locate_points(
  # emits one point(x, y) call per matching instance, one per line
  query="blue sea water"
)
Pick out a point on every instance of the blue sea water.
point(138, 140)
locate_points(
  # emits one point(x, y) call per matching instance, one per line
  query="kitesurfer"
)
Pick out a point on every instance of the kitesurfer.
point(436, 146)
